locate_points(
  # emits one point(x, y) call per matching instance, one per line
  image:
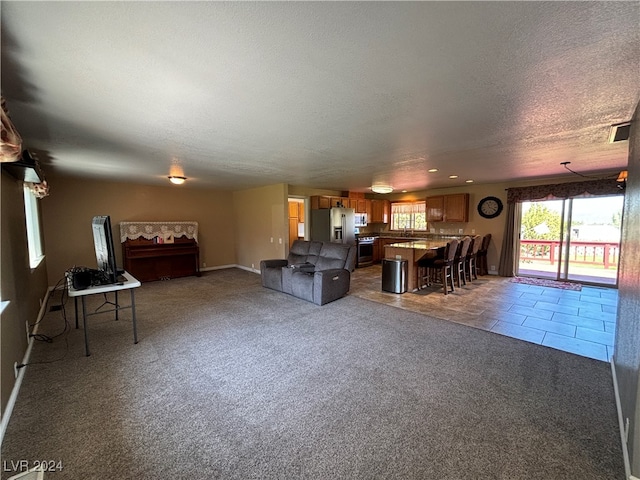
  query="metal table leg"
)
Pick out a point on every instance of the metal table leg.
point(133, 314)
point(84, 325)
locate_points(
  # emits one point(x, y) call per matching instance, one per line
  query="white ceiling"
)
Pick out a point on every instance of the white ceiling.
point(333, 95)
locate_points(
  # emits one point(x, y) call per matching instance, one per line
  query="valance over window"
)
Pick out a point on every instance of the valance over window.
point(408, 207)
point(563, 190)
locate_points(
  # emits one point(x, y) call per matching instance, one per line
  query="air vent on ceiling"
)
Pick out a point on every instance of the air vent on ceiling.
point(619, 132)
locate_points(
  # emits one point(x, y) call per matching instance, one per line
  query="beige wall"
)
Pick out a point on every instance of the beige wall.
point(261, 224)
point(22, 287)
point(627, 343)
point(73, 203)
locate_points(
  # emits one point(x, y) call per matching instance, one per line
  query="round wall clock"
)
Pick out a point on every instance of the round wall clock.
point(490, 207)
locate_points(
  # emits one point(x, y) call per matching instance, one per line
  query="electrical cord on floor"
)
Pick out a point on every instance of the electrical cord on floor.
point(64, 296)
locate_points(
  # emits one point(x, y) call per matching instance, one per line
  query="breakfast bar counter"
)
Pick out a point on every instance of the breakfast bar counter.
point(412, 252)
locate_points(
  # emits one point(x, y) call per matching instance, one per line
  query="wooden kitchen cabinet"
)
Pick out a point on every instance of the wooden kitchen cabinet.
point(448, 208)
point(456, 207)
point(296, 218)
point(360, 205)
point(435, 208)
point(358, 202)
point(293, 209)
point(339, 202)
point(296, 210)
point(319, 202)
point(379, 211)
point(377, 258)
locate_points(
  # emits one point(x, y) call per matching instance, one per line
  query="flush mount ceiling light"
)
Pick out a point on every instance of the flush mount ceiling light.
point(177, 180)
point(381, 188)
point(432, 170)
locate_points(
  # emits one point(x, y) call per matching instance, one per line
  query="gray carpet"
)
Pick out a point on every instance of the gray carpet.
point(234, 381)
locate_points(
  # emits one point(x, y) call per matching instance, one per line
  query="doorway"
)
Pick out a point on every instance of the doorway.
point(577, 239)
point(297, 217)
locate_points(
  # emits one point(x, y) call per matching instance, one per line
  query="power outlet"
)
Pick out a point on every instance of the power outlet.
point(493, 268)
point(15, 369)
point(204, 264)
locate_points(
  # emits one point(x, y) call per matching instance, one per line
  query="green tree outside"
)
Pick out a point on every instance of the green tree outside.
point(540, 223)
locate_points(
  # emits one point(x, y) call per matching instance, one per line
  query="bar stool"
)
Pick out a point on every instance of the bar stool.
point(423, 263)
point(439, 269)
point(472, 256)
point(482, 255)
point(460, 261)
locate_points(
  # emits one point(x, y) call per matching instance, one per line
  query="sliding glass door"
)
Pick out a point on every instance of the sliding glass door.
point(575, 239)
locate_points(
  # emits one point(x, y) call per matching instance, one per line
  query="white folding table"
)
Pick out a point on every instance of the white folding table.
point(129, 283)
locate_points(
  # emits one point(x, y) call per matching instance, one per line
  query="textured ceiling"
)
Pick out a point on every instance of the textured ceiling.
point(334, 95)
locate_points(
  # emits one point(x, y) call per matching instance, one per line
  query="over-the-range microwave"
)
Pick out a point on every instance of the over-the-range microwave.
point(361, 219)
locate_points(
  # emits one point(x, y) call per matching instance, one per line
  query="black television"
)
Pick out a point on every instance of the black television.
point(105, 252)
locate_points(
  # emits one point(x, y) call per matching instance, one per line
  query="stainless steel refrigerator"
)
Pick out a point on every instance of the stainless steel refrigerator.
point(336, 225)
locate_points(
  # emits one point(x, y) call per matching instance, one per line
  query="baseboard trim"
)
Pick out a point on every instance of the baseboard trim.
point(623, 440)
point(231, 265)
point(248, 269)
point(6, 415)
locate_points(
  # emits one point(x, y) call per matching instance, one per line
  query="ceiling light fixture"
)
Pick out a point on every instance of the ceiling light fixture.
point(453, 176)
point(381, 188)
point(468, 181)
point(622, 180)
point(176, 179)
point(432, 170)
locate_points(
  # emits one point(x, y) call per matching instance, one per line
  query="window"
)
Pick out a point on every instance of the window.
point(33, 227)
point(408, 216)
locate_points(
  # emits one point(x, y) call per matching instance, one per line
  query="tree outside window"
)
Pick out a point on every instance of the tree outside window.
point(408, 216)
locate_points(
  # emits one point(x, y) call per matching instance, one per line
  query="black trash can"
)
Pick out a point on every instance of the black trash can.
point(394, 275)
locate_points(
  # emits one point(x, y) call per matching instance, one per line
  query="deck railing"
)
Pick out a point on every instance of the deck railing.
point(603, 254)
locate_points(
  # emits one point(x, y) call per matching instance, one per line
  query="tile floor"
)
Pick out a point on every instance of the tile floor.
point(579, 322)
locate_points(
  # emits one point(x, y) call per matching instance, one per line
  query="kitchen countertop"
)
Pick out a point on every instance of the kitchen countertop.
point(424, 236)
point(419, 244)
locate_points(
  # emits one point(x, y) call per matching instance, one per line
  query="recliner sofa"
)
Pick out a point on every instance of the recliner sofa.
point(319, 272)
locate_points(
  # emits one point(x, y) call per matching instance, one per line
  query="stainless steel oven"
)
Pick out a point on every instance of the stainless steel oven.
point(365, 251)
